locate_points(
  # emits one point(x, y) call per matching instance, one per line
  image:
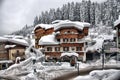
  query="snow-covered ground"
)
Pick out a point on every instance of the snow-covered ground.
point(49, 70)
point(110, 74)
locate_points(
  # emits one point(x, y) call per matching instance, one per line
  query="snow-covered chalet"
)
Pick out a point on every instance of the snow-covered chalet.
point(11, 47)
point(62, 39)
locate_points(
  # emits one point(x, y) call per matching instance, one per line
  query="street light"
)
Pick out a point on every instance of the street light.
point(103, 56)
point(77, 66)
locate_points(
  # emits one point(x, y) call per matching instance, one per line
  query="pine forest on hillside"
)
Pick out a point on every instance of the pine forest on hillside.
point(87, 11)
point(104, 13)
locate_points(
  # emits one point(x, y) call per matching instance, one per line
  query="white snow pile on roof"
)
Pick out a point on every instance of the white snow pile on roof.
point(9, 46)
point(57, 21)
point(19, 41)
point(14, 39)
point(101, 75)
point(6, 61)
point(79, 25)
point(63, 23)
point(117, 21)
point(45, 26)
point(69, 54)
point(3, 39)
point(48, 39)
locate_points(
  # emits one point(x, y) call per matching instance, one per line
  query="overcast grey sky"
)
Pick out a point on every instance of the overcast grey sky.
point(14, 14)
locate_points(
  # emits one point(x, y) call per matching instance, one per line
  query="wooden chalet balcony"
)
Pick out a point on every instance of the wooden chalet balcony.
point(71, 44)
point(70, 36)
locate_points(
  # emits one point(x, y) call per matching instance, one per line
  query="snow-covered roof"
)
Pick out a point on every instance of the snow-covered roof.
point(117, 21)
point(45, 26)
point(13, 36)
point(76, 24)
point(57, 21)
point(19, 41)
point(48, 40)
point(10, 46)
point(69, 54)
point(6, 61)
point(63, 23)
point(14, 39)
point(2, 39)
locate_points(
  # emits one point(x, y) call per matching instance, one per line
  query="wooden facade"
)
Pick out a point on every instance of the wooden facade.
point(3, 52)
point(70, 40)
point(9, 54)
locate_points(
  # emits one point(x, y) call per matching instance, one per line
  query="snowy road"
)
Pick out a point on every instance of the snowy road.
point(84, 71)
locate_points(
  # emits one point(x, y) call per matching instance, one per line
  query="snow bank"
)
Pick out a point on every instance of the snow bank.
point(101, 75)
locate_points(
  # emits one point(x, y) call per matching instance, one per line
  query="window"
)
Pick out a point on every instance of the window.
point(58, 40)
point(68, 32)
point(79, 39)
point(57, 48)
point(49, 48)
point(78, 48)
point(119, 30)
point(80, 32)
point(72, 48)
point(65, 40)
point(1, 45)
point(65, 48)
point(72, 40)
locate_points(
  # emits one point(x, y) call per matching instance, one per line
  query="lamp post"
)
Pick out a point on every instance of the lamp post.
point(77, 66)
point(78, 69)
point(103, 56)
